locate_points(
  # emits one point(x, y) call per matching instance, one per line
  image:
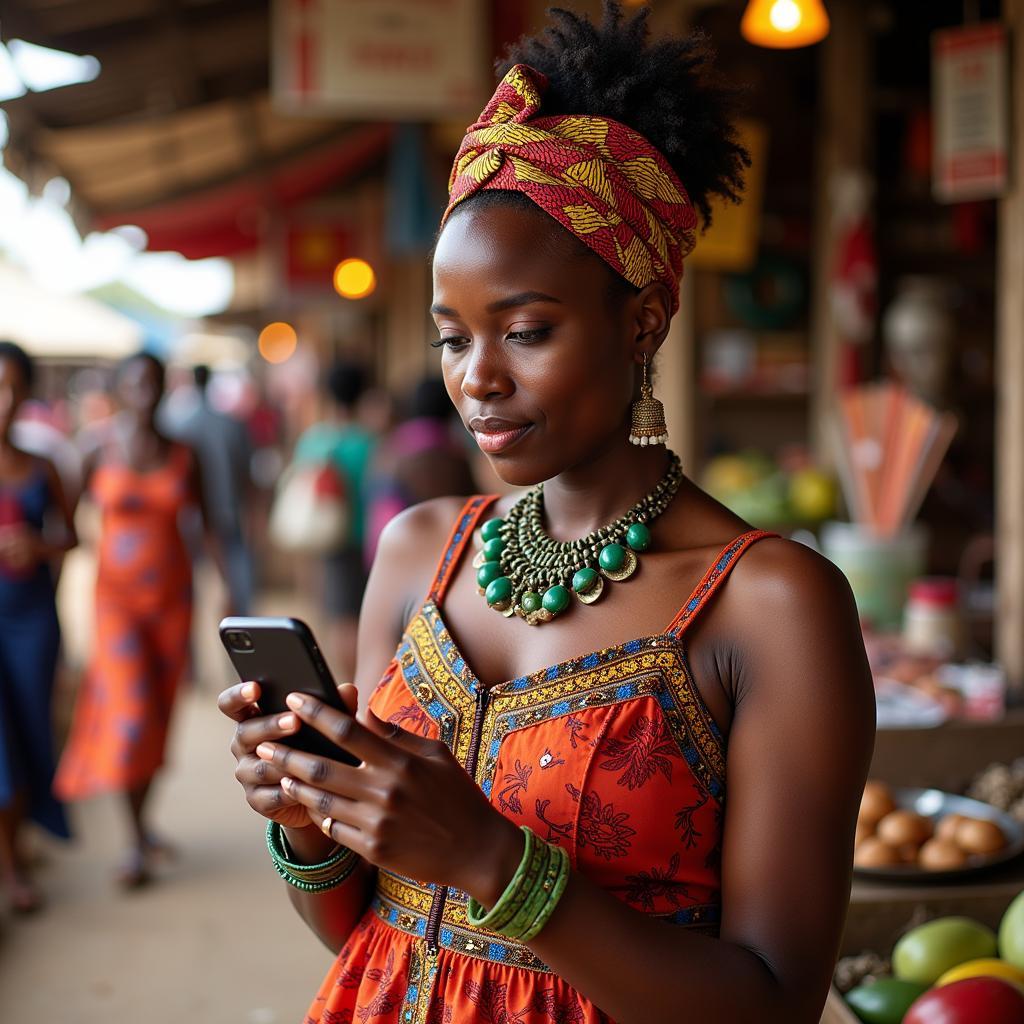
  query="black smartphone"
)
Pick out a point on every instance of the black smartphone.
point(282, 656)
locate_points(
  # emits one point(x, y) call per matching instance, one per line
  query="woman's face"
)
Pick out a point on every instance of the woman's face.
point(139, 385)
point(13, 391)
point(537, 358)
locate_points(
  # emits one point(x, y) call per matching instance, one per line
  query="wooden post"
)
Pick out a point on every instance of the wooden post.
point(675, 383)
point(843, 133)
point(1009, 440)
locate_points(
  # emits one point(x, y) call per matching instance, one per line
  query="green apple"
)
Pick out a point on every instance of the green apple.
point(925, 953)
point(1011, 933)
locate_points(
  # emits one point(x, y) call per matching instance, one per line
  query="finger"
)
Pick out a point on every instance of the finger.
point(322, 772)
point(342, 729)
point(394, 733)
point(349, 697)
point(256, 730)
point(252, 771)
point(345, 834)
point(268, 799)
point(236, 701)
point(322, 802)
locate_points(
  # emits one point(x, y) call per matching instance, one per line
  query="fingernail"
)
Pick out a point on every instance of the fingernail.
point(294, 701)
point(286, 785)
point(249, 691)
point(265, 751)
point(287, 722)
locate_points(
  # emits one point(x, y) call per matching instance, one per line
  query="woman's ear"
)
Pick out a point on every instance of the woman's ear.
point(652, 316)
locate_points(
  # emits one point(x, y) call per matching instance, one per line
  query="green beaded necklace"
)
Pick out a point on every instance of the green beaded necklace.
point(522, 571)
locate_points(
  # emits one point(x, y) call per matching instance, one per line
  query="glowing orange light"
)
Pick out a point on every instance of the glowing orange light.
point(277, 342)
point(784, 24)
point(354, 279)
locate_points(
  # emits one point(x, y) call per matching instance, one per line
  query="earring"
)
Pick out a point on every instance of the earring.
point(649, 425)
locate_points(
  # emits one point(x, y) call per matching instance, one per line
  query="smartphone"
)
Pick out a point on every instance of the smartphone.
point(282, 656)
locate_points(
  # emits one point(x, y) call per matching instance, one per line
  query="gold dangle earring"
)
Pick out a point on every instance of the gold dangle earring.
point(649, 425)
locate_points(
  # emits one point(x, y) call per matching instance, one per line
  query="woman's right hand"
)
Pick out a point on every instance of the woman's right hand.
point(262, 781)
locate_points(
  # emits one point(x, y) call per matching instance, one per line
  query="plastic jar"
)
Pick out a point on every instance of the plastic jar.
point(931, 619)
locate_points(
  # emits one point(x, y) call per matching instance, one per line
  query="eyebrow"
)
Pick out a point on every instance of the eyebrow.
point(521, 299)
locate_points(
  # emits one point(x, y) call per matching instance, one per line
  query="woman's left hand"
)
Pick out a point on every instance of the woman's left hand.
point(409, 807)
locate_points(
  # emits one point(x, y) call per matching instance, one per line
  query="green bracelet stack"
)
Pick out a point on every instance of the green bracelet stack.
point(312, 878)
point(529, 900)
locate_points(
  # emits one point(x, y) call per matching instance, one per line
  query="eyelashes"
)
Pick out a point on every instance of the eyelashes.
point(457, 341)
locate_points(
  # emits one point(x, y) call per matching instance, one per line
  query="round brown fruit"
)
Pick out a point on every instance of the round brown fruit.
point(864, 829)
point(978, 835)
point(900, 827)
point(876, 802)
point(947, 826)
point(941, 855)
point(874, 853)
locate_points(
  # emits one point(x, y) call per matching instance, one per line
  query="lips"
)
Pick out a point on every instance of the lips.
point(495, 435)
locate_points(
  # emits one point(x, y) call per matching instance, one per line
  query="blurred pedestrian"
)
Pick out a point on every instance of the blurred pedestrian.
point(422, 458)
point(142, 482)
point(36, 528)
point(343, 441)
point(221, 442)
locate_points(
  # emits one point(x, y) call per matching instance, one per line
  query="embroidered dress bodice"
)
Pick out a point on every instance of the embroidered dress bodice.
point(612, 755)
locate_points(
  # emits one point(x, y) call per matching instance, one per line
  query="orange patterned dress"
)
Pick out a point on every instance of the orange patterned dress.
point(143, 618)
point(612, 755)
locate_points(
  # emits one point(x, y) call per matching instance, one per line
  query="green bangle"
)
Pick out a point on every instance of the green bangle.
point(529, 900)
point(553, 886)
point(515, 894)
point(535, 895)
point(312, 878)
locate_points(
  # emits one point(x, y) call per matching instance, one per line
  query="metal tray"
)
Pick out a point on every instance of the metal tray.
point(935, 804)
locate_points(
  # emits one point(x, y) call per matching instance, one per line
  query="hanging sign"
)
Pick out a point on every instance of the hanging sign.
point(969, 86)
point(389, 59)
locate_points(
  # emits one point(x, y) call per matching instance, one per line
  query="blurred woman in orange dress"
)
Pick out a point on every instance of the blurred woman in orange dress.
point(141, 482)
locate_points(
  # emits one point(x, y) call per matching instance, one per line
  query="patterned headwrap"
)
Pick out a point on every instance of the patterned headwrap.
point(602, 181)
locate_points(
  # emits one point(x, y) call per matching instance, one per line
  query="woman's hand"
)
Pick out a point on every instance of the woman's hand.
point(409, 807)
point(261, 780)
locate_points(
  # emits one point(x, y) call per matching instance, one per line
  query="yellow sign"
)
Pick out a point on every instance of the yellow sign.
point(731, 242)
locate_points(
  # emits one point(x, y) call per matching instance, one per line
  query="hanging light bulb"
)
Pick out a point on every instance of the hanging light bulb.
point(784, 24)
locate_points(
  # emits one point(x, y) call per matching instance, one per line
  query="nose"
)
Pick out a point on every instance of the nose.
point(485, 374)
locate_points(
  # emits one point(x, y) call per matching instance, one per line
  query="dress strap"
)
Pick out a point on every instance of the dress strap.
point(461, 533)
point(713, 579)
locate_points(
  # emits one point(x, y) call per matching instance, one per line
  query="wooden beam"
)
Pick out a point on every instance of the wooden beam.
point(1009, 441)
point(843, 145)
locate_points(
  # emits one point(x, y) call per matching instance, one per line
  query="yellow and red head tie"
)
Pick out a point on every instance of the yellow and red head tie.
point(602, 181)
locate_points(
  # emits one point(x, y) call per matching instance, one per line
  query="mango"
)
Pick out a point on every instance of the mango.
point(987, 968)
point(1011, 933)
point(925, 953)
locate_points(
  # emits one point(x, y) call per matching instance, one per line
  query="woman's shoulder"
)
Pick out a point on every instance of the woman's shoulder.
point(422, 529)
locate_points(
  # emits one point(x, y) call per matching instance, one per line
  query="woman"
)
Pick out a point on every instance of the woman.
point(419, 459)
point(141, 482)
point(557, 846)
point(31, 499)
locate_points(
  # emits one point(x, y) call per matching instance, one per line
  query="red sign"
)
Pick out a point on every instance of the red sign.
point(969, 85)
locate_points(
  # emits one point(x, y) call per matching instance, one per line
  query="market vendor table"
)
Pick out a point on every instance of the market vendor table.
point(948, 756)
point(879, 913)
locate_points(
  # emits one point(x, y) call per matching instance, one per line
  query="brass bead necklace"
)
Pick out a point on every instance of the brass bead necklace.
point(522, 571)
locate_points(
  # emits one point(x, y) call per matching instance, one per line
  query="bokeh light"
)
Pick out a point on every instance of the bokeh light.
point(354, 279)
point(278, 342)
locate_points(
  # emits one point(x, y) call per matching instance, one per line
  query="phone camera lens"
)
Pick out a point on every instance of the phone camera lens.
point(240, 640)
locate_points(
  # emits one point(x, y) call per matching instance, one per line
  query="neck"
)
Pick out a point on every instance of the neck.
point(595, 492)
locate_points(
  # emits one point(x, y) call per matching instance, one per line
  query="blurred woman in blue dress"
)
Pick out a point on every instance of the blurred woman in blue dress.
point(36, 528)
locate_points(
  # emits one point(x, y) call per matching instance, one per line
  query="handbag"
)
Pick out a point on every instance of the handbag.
point(310, 513)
